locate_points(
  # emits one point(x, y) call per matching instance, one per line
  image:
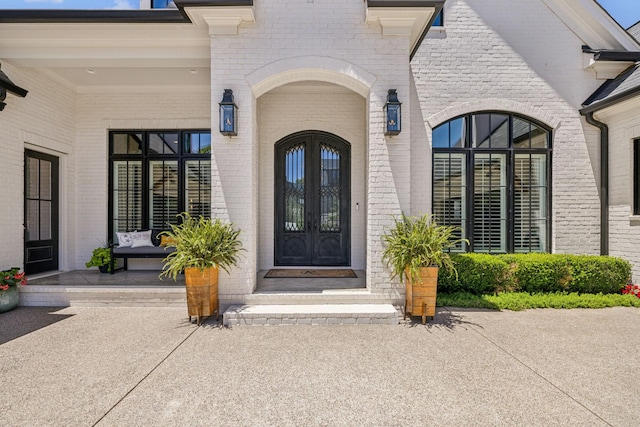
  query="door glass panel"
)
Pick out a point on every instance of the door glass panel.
point(163, 143)
point(33, 221)
point(521, 133)
point(530, 203)
point(32, 184)
point(45, 180)
point(294, 189)
point(45, 220)
point(490, 205)
point(127, 143)
point(490, 130)
point(449, 192)
point(329, 189)
point(197, 142)
point(198, 187)
point(539, 137)
point(127, 195)
point(163, 193)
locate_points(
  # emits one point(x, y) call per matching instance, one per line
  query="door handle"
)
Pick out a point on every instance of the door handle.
point(309, 222)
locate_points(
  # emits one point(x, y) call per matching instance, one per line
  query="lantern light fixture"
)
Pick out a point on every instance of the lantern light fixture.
point(6, 85)
point(228, 114)
point(393, 114)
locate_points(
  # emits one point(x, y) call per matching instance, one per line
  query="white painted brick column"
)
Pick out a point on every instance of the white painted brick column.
point(389, 178)
point(234, 176)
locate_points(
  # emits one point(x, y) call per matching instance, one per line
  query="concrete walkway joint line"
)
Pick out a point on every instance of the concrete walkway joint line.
point(541, 376)
point(145, 377)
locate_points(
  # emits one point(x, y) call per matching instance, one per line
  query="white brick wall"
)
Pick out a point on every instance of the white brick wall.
point(491, 55)
point(298, 34)
point(42, 121)
point(99, 112)
point(624, 228)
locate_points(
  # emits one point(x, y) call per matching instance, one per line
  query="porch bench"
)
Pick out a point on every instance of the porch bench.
point(125, 253)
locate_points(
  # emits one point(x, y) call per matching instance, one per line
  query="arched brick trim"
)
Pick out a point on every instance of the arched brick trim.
point(310, 68)
point(506, 105)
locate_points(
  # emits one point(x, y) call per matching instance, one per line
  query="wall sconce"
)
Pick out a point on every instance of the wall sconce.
point(228, 114)
point(7, 85)
point(394, 116)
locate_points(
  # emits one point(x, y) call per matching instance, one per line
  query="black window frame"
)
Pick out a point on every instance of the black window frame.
point(146, 157)
point(636, 176)
point(510, 152)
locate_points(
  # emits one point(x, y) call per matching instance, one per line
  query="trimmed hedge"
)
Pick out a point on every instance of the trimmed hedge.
point(477, 273)
point(488, 274)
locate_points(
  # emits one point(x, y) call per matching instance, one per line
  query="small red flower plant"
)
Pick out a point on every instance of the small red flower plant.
point(631, 290)
point(12, 277)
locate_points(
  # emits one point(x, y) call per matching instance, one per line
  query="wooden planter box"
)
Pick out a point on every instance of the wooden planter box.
point(202, 292)
point(421, 297)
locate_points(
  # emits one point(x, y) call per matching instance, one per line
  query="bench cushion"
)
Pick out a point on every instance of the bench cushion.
point(142, 251)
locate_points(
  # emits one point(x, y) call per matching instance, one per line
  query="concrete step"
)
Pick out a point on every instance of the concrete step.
point(310, 314)
point(336, 296)
point(97, 296)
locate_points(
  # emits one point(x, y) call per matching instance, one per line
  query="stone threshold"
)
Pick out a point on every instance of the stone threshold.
point(310, 314)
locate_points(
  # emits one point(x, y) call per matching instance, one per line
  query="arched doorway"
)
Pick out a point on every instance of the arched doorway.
point(312, 199)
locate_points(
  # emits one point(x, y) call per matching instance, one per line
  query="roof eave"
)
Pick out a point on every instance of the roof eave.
point(608, 102)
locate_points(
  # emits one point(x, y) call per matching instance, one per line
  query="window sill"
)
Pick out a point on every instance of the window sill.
point(634, 219)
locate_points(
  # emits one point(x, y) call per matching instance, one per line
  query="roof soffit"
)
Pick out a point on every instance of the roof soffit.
point(405, 19)
point(622, 110)
point(592, 24)
point(221, 20)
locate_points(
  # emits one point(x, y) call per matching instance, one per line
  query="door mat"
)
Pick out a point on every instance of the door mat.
point(300, 273)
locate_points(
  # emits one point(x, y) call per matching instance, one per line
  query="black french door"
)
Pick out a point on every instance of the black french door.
point(312, 198)
point(40, 212)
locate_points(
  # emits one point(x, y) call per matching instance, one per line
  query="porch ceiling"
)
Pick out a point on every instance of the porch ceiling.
point(101, 55)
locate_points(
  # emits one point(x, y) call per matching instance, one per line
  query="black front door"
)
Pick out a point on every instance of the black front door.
point(312, 198)
point(40, 212)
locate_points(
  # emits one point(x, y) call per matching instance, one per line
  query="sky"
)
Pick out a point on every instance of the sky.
point(626, 12)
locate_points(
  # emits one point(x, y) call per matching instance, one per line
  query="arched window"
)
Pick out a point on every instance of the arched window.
point(491, 177)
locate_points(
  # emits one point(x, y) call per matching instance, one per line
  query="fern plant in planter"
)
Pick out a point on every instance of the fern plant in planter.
point(203, 246)
point(415, 248)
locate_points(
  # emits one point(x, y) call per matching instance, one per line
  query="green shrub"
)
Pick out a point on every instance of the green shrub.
point(538, 272)
point(482, 274)
point(594, 274)
point(477, 273)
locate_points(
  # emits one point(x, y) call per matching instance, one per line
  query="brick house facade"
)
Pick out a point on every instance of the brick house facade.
point(326, 66)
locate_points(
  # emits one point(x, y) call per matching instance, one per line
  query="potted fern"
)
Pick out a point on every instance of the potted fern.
point(415, 248)
point(203, 246)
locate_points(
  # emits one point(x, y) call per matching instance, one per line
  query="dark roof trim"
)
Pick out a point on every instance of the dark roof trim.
point(212, 3)
point(405, 3)
point(115, 16)
point(92, 16)
point(612, 55)
point(608, 102)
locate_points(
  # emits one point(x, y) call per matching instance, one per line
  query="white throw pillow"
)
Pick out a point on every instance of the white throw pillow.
point(124, 240)
point(141, 238)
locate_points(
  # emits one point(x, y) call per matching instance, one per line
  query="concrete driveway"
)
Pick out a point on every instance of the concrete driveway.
point(125, 366)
